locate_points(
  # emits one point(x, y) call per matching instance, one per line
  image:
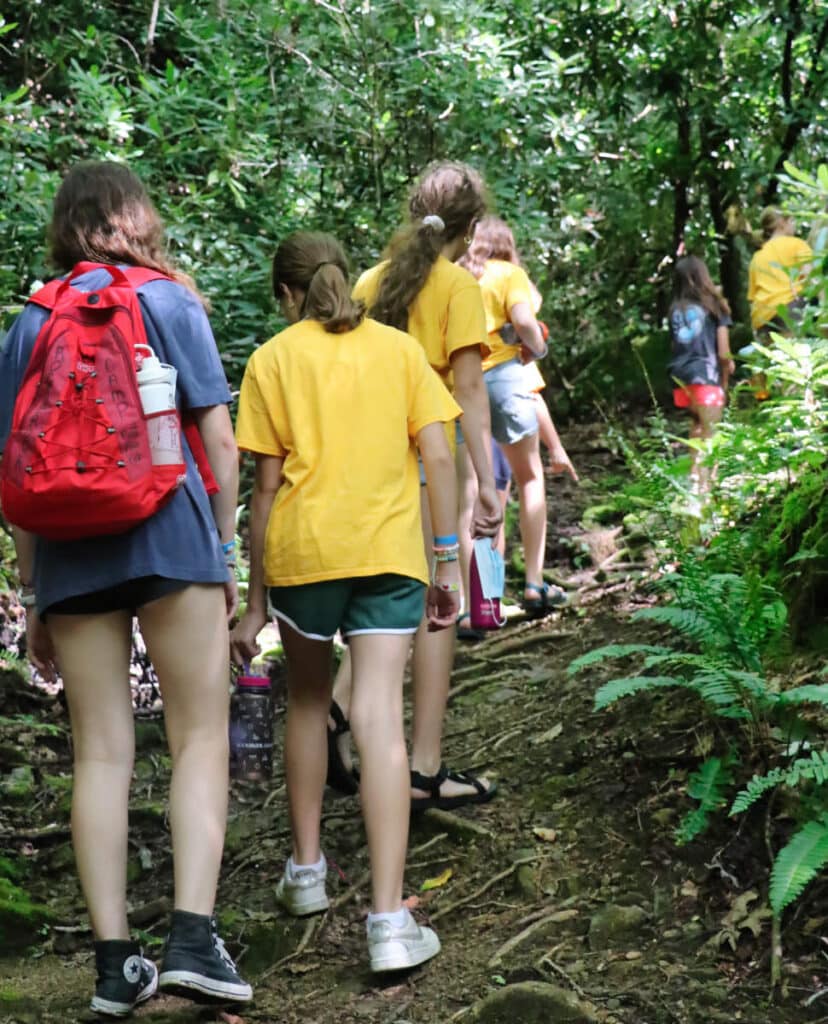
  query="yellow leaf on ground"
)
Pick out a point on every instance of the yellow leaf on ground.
point(438, 882)
point(548, 835)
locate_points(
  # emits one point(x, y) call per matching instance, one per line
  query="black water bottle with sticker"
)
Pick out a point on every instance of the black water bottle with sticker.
point(251, 729)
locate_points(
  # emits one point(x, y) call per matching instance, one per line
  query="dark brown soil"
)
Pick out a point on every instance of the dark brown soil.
point(569, 876)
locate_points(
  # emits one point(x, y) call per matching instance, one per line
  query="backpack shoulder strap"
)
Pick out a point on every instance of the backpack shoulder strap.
point(47, 295)
point(138, 276)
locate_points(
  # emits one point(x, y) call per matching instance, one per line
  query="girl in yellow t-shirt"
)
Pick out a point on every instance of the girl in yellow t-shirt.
point(510, 298)
point(419, 288)
point(334, 409)
point(774, 274)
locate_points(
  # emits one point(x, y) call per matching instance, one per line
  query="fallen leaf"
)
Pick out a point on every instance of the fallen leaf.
point(689, 889)
point(633, 955)
point(230, 1018)
point(438, 882)
point(549, 735)
point(548, 835)
point(412, 902)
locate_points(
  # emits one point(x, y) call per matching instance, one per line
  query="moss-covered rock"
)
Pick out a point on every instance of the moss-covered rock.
point(533, 1002)
point(613, 925)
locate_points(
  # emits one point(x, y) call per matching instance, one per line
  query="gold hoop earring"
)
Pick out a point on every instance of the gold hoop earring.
point(467, 239)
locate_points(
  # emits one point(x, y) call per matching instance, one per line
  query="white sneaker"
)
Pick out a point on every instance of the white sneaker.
point(301, 891)
point(395, 949)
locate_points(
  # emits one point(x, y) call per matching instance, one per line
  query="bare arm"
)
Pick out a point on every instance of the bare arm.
point(524, 322)
point(443, 602)
point(726, 364)
point(472, 397)
point(39, 647)
point(268, 481)
point(216, 429)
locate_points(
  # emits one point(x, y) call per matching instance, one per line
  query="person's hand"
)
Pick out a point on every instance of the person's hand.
point(487, 514)
point(559, 462)
point(243, 645)
point(231, 594)
point(443, 597)
point(39, 646)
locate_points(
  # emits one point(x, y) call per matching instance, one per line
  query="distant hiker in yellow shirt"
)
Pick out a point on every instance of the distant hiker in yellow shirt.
point(419, 288)
point(775, 275)
point(510, 299)
point(334, 409)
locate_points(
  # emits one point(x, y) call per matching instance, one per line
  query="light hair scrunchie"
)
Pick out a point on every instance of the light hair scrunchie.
point(434, 221)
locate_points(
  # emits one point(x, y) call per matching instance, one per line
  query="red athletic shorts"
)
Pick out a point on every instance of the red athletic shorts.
point(699, 394)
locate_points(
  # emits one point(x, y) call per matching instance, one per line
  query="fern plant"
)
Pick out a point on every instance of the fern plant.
point(798, 863)
point(722, 630)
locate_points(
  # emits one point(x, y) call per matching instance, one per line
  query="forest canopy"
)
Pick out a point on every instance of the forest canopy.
point(609, 132)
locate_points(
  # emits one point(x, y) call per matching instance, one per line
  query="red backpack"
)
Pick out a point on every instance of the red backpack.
point(77, 461)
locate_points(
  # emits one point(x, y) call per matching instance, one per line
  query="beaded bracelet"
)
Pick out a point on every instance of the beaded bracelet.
point(229, 547)
point(446, 554)
point(449, 588)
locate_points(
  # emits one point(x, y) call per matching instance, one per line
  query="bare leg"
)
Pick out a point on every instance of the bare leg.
point(93, 653)
point(524, 458)
point(342, 696)
point(377, 723)
point(705, 420)
point(306, 744)
point(431, 670)
point(186, 637)
point(468, 495)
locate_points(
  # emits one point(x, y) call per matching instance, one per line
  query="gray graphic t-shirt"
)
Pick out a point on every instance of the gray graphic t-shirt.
point(693, 336)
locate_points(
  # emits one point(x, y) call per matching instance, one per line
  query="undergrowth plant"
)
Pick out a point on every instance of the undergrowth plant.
point(723, 632)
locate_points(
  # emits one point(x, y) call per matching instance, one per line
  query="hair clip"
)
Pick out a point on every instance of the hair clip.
point(434, 221)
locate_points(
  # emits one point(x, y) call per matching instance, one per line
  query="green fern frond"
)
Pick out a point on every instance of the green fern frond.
point(611, 651)
point(798, 863)
point(685, 620)
point(813, 768)
point(707, 785)
point(813, 694)
point(691, 825)
point(615, 689)
point(717, 688)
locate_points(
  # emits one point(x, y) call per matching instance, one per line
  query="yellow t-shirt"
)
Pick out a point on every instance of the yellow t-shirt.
point(446, 315)
point(343, 410)
point(503, 285)
point(772, 278)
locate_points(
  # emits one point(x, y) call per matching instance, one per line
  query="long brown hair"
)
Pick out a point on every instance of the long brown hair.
point(450, 191)
point(692, 283)
point(102, 214)
point(315, 263)
point(493, 240)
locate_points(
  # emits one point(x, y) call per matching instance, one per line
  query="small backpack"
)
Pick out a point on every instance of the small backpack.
point(77, 462)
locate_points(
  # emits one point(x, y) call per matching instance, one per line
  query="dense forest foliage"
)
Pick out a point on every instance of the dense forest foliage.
point(608, 132)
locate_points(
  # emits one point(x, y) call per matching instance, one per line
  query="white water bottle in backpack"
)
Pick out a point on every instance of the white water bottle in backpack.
point(156, 388)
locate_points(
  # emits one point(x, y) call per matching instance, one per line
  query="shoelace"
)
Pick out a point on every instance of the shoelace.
point(222, 951)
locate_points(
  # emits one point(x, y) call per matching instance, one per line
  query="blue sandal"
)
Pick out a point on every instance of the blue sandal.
point(547, 599)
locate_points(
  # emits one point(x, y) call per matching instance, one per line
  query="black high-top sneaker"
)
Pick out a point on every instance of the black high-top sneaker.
point(125, 978)
point(197, 964)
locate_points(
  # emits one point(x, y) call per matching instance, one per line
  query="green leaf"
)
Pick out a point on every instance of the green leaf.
point(615, 689)
point(612, 651)
point(798, 863)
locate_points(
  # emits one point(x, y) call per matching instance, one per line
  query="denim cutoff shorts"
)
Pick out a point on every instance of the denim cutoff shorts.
point(511, 402)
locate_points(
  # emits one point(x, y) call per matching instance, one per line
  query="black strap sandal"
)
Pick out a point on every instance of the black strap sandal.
point(547, 599)
point(432, 783)
point(339, 776)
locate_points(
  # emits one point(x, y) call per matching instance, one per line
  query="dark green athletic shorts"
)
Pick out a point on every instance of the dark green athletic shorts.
point(358, 604)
